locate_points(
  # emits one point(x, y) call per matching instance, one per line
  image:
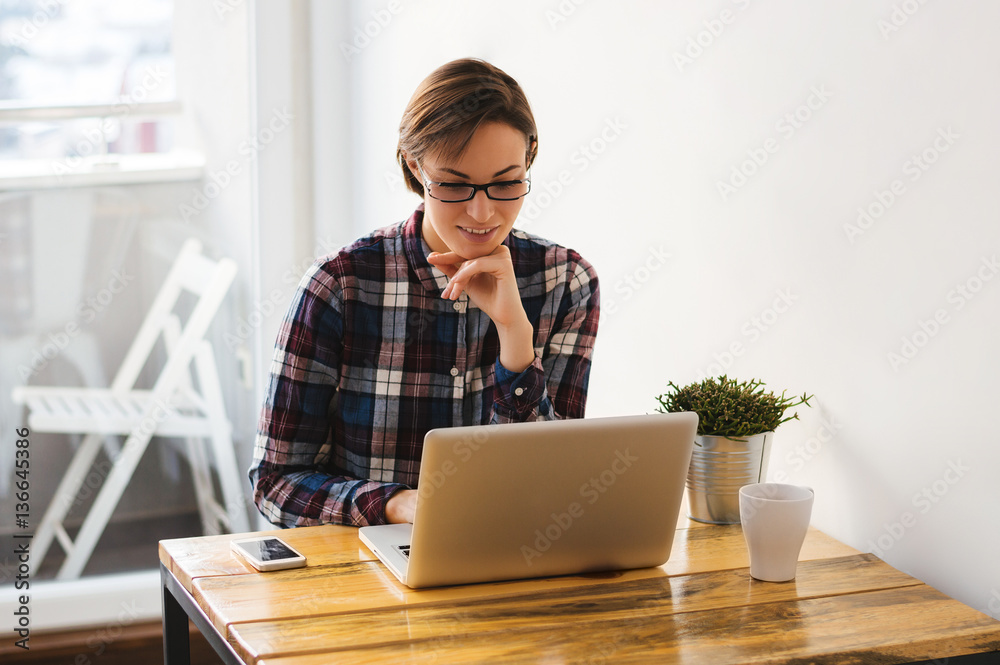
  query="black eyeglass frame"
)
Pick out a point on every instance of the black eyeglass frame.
point(475, 188)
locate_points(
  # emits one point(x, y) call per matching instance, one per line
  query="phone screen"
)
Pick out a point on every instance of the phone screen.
point(270, 549)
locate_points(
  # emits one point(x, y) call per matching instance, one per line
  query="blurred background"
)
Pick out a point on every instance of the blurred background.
point(792, 192)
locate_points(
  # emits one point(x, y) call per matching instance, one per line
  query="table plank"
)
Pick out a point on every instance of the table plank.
point(697, 549)
point(190, 558)
point(844, 629)
point(358, 587)
point(708, 610)
point(631, 600)
point(342, 575)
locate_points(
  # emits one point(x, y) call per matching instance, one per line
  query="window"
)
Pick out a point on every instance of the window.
point(85, 75)
point(112, 113)
point(86, 88)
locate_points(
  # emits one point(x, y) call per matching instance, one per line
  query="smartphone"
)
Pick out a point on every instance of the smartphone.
point(268, 553)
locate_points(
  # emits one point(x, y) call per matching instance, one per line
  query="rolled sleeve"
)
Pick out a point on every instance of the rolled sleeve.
point(519, 396)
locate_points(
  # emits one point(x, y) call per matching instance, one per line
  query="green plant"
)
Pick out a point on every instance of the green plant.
point(727, 407)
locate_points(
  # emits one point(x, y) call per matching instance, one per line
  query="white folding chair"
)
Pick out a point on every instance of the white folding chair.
point(48, 258)
point(172, 408)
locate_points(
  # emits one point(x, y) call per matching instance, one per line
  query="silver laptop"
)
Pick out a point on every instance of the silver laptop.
point(558, 497)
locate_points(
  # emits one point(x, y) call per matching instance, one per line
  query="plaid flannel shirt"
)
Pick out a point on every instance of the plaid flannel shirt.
point(370, 357)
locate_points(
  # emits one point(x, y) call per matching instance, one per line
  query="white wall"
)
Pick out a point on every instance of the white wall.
point(908, 466)
point(212, 53)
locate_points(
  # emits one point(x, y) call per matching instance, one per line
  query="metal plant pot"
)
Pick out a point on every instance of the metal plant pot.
point(720, 466)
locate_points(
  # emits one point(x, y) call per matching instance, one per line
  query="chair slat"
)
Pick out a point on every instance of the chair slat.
point(54, 406)
point(131, 404)
point(75, 406)
point(111, 406)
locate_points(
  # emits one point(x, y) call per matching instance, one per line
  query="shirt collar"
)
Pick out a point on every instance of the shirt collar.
point(417, 249)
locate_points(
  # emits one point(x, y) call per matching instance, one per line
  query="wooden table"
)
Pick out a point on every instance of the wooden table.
point(700, 607)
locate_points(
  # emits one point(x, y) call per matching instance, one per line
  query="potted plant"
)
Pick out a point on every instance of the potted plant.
point(736, 422)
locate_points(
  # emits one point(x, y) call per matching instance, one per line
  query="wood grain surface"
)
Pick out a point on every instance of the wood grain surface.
point(699, 607)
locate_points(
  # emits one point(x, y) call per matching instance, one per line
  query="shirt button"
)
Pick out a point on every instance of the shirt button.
point(457, 306)
point(454, 371)
point(518, 391)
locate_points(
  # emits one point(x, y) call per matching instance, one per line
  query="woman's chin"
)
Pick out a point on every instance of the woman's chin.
point(474, 250)
point(477, 251)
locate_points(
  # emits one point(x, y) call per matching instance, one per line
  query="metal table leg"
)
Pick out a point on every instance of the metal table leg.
point(178, 607)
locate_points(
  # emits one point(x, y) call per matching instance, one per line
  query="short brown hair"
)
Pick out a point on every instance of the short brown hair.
point(451, 104)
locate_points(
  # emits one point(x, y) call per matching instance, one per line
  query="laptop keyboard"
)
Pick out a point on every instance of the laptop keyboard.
point(404, 550)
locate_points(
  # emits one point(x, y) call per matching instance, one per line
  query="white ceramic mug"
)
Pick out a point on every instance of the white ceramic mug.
point(775, 518)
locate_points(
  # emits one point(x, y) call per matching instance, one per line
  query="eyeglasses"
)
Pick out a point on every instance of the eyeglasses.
point(454, 192)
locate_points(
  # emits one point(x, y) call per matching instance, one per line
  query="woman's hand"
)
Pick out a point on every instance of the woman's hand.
point(489, 280)
point(401, 507)
point(492, 287)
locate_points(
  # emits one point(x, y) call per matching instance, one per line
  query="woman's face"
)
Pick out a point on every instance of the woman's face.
point(476, 227)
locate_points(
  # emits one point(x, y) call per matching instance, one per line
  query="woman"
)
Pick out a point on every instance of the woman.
point(449, 318)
